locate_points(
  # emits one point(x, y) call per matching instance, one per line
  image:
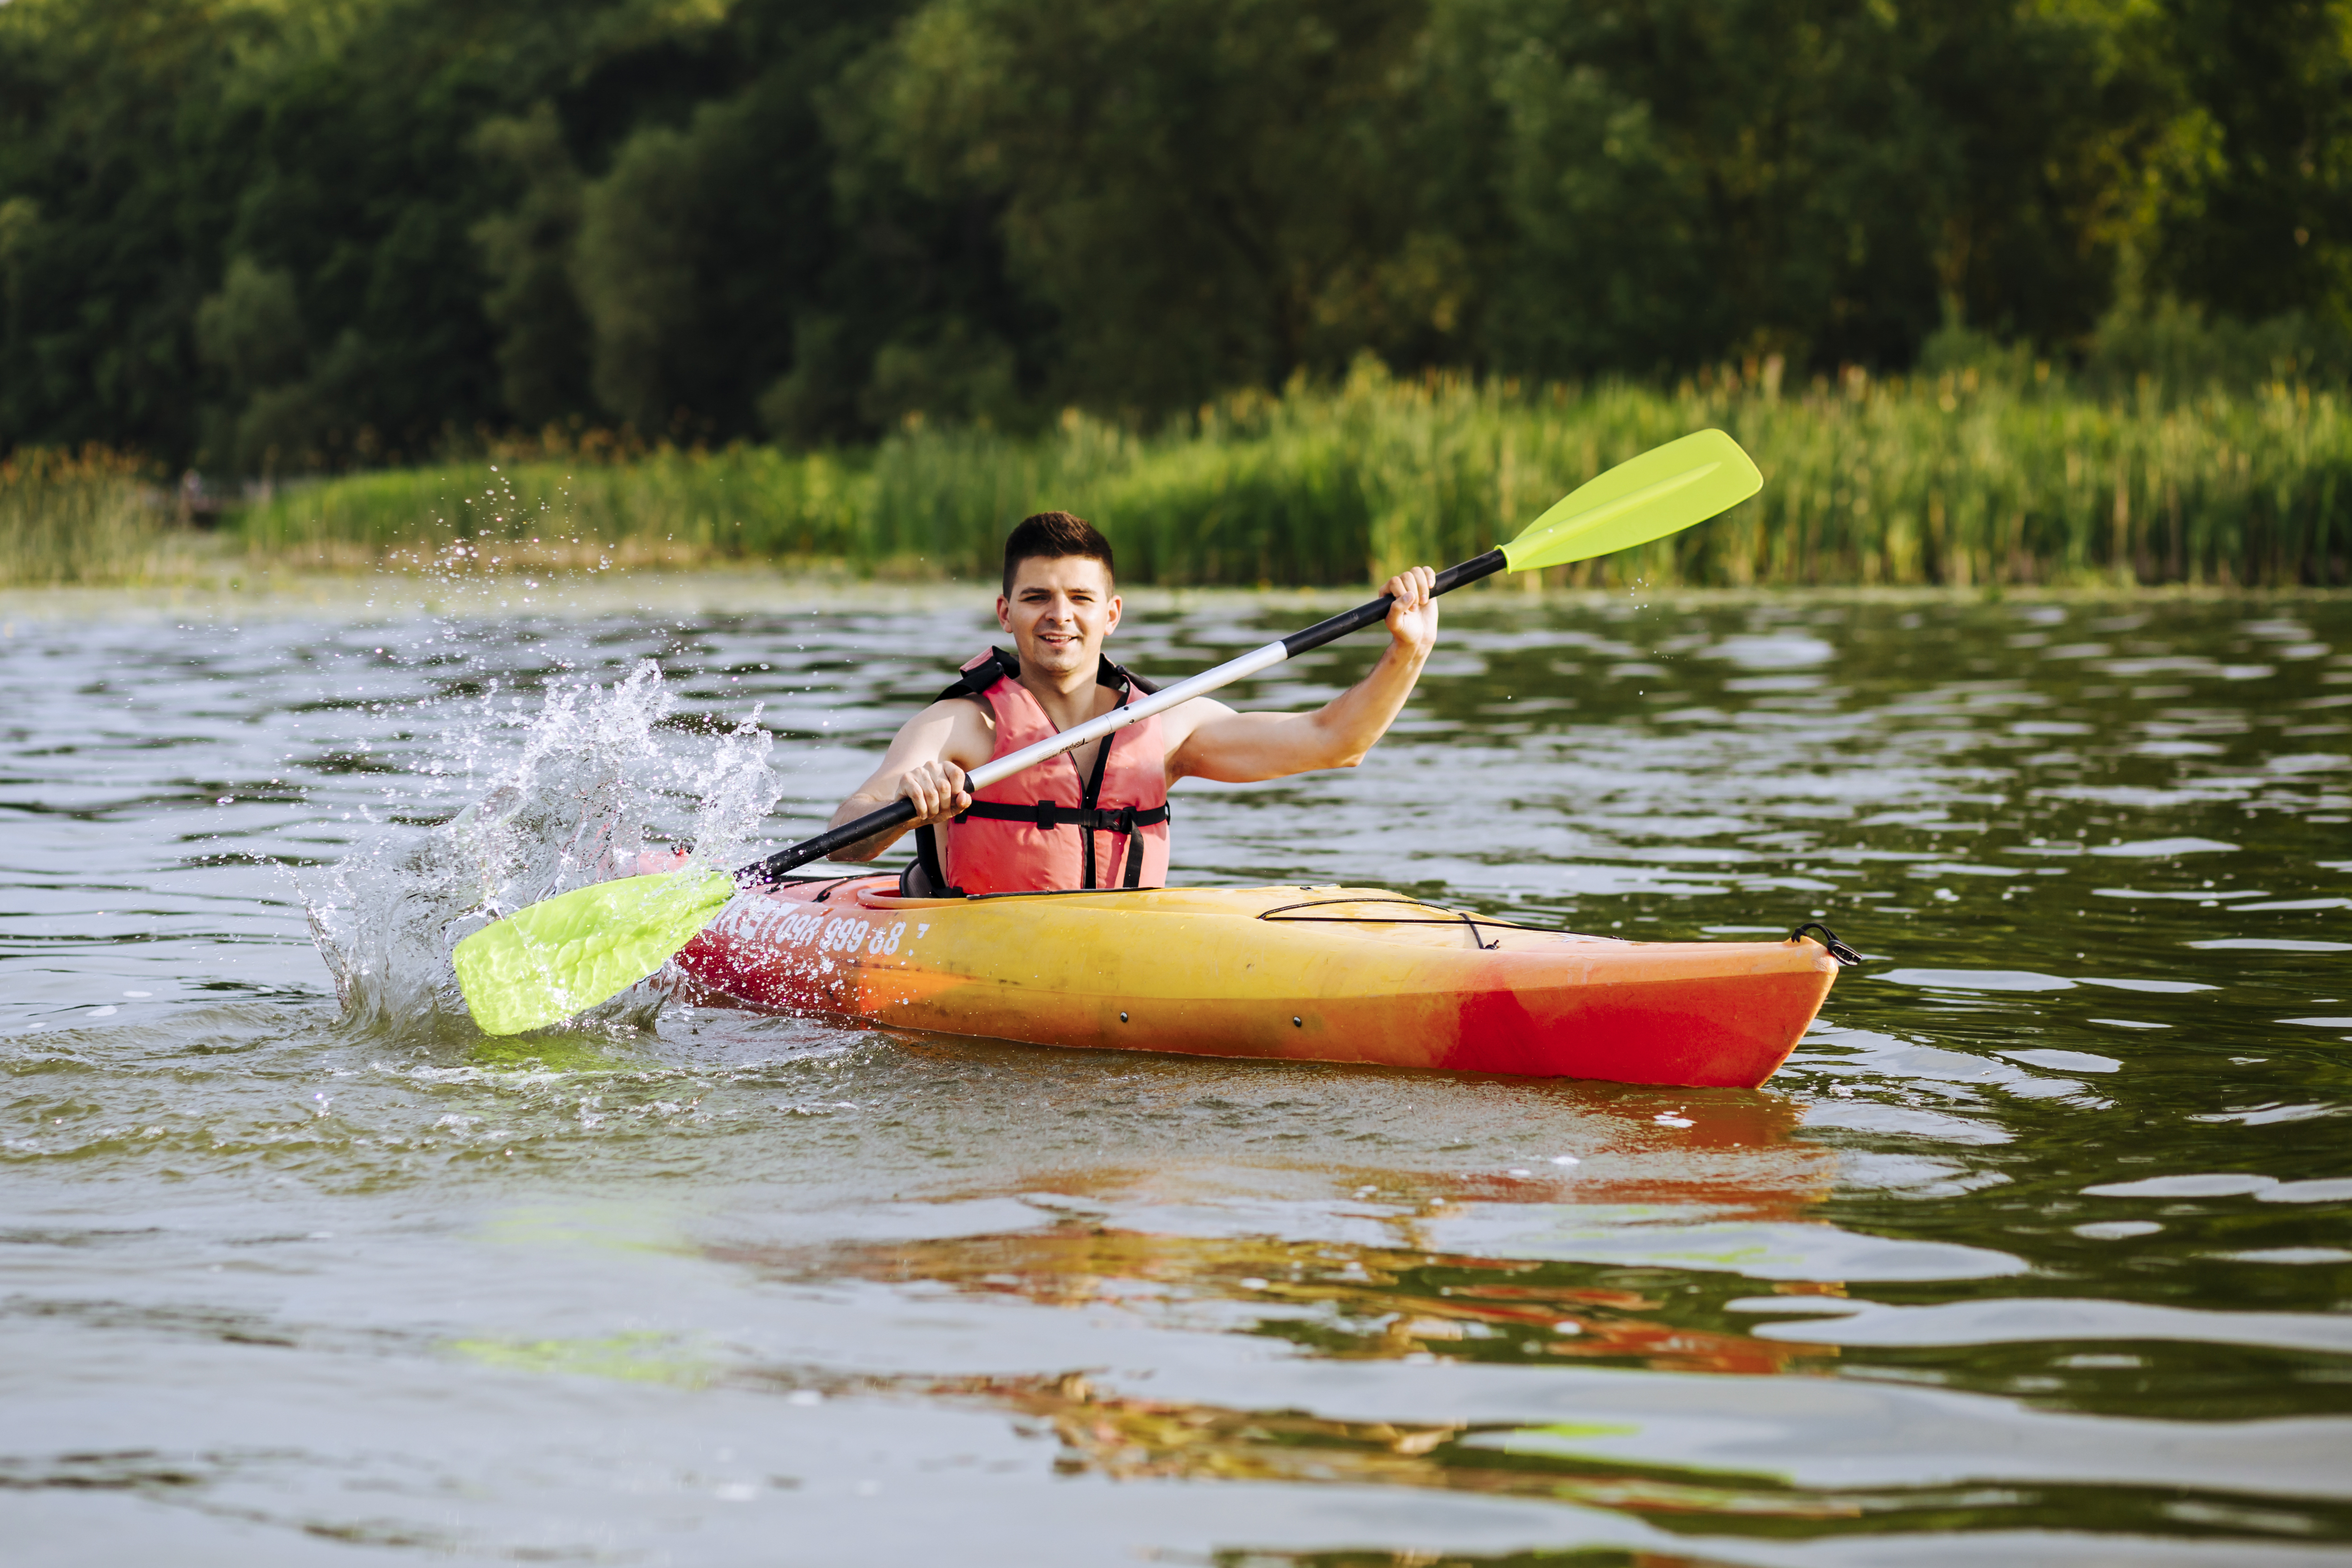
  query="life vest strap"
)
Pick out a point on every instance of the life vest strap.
point(1046, 815)
point(1050, 815)
point(1002, 664)
point(926, 878)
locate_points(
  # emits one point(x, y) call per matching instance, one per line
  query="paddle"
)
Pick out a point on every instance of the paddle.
point(565, 954)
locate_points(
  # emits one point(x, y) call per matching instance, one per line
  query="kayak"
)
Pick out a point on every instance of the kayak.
point(1339, 974)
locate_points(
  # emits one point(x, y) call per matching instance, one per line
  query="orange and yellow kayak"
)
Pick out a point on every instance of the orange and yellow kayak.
point(1345, 974)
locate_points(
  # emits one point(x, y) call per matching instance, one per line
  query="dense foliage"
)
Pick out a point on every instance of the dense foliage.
point(287, 234)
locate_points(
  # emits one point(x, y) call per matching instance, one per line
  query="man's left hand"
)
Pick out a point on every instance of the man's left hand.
point(1413, 619)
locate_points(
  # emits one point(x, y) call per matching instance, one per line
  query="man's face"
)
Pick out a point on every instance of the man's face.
point(1059, 611)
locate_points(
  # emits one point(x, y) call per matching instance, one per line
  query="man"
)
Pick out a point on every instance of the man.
point(1096, 817)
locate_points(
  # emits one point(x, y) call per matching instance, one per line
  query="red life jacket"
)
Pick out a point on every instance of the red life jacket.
point(1047, 828)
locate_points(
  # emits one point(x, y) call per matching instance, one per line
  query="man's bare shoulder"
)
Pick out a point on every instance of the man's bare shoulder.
point(959, 729)
point(1186, 717)
point(1181, 723)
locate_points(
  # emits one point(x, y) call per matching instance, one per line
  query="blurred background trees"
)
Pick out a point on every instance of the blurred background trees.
point(281, 235)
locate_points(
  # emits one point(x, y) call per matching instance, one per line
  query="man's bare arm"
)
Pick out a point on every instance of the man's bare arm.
point(926, 763)
point(1208, 740)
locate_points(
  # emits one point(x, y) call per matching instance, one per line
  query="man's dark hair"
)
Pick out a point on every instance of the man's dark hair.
point(1051, 534)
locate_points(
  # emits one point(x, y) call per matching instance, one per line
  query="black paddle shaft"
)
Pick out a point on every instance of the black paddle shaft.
point(1363, 616)
point(766, 873)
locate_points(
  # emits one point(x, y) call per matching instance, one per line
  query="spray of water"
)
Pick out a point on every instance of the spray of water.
point(554, 799)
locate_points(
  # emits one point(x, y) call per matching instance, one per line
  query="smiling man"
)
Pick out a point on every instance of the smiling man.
point(1096, 817)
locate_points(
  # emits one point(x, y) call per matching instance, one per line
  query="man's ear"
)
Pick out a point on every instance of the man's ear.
point(1112, 625)
point(1004, 612)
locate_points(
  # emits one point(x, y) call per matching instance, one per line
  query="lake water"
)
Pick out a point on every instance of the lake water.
point(2037, 1251)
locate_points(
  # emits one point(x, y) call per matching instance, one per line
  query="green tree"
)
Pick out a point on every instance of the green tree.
point(2257, 217)
point(1683, 179)
point(543, 352)
point(103, 269)
point(717, 258)
point(1201, 190)
point(257, 232)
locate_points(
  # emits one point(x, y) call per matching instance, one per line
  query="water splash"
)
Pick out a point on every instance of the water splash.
point(559, 798)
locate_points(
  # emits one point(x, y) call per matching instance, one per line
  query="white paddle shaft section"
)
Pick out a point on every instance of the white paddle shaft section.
point(1135, 712)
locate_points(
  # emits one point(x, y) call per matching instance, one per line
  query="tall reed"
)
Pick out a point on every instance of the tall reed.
point(76, 517)
point(1952, 479)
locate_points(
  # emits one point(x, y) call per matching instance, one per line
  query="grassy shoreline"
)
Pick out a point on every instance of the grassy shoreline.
point(725, 591)
point(1949, 481)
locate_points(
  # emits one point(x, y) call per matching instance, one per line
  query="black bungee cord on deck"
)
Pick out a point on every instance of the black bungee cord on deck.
point(1838, 950)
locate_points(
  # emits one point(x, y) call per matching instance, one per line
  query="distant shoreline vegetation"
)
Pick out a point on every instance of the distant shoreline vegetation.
point(1969, 476)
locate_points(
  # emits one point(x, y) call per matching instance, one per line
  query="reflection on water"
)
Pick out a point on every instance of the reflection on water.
point(2037, 1250)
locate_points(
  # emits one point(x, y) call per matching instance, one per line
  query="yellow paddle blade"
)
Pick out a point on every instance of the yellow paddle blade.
point(1641, 499)
point(563, 956)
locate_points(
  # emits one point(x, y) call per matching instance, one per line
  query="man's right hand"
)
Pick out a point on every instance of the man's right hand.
point(937, 790)
point(916, 768)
